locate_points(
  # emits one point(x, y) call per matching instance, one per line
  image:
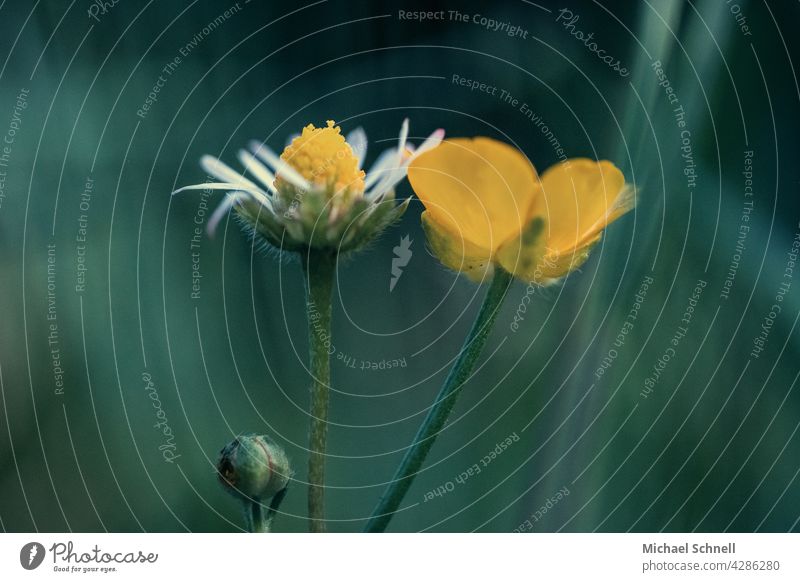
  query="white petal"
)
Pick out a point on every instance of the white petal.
point(214, 186)
point(395, 176)
point(358, 143)
point(230, 200)
point(258, 169)
point(256, 193)
point(401, 142)
point(380, 167)
point(392, 179)
point(222, 171)
point(396, 161)
point(285, 171)
point(431, 142)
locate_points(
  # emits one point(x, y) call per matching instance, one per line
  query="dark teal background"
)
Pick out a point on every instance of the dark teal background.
point(714, 447)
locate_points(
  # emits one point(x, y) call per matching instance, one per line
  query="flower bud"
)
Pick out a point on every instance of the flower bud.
point(253, 467)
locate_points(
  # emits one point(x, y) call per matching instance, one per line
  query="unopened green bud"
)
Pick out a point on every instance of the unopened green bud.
point(253, 467)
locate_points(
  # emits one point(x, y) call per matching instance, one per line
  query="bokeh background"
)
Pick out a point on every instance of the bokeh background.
point(713, 446)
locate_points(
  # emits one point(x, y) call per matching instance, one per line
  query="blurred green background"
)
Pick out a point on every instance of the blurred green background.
point(713, 447)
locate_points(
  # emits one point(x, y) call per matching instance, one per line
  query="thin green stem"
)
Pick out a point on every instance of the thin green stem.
point(319, 268)
point(257, 517)
point(445, 400)
point(257, 521)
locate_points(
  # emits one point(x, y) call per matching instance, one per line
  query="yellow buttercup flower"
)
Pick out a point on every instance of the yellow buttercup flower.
point(485, 206)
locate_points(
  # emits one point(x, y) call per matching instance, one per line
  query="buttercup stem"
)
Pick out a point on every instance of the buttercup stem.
point(445, 400)
point(319, 269)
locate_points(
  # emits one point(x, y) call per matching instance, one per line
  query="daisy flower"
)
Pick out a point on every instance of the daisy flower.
point(315, 199)
point(315, 194)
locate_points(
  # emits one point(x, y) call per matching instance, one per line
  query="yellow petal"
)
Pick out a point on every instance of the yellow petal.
point(480, 187)
point(555, 266)
point(580, 198)
point(522, 255)
point(455, 252)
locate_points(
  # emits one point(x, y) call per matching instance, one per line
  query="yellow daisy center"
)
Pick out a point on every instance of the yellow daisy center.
point(323, 157)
